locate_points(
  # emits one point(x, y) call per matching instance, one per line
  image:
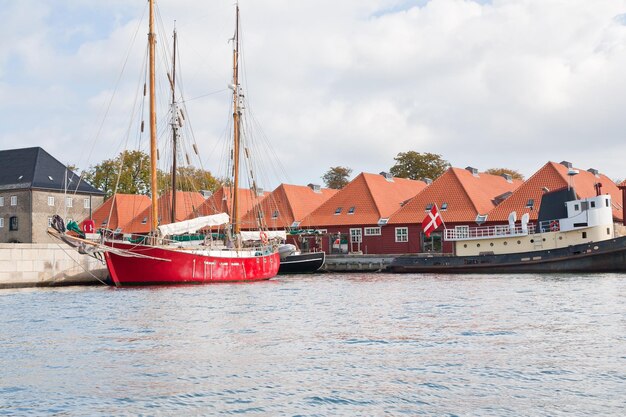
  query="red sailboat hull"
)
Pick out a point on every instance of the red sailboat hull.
point(179, 266)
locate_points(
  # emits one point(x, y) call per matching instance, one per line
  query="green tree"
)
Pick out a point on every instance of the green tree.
point(337, 177)
point(134, 177)
point(415, 165)
point(499, 171)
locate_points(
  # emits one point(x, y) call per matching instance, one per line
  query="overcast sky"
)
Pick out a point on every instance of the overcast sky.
point(501, 83)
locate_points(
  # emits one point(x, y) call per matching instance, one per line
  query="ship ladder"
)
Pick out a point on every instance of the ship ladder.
point(538, 241)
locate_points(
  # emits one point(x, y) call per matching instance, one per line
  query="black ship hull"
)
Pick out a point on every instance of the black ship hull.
point(302, 263)
point(605, 256)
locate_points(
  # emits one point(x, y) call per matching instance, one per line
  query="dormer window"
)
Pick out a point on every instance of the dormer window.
point(275, 214)
point(144, 221)
point(428, 207)
point(530, 203)
point(444, 206)
point(338, 211)
point(351, 210)
point(481, 218)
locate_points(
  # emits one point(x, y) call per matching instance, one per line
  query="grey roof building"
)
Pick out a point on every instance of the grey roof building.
point(34, 186)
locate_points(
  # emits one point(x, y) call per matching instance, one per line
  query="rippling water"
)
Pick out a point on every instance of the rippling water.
point(320, 345)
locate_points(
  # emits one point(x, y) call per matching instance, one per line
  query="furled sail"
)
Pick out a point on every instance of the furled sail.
point(193, 225)
point(256, 235)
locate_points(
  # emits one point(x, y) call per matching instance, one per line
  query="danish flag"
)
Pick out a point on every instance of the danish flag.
point(432, 221)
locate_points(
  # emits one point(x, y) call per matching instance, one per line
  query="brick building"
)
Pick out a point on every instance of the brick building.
point(34, 186)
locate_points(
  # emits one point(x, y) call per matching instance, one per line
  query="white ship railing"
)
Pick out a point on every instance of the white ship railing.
point(487, 232)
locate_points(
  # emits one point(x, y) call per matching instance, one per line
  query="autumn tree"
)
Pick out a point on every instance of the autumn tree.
point(337, 177)
point(500, 171)
point(415, 165)
point(189, 178)
point(134, 177)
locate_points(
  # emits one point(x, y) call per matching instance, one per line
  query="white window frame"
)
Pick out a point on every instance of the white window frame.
point(51, 200)
point(86, 203)
point(14, 200)
point(356, 235)
point(49, 221)
point(372, 231)
point(1, 201)
point(402, 234)
point(462, 232)
point(68, 202)
point(1, 222)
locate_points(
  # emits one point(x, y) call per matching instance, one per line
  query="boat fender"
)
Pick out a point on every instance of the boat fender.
point(264, 238)
point(554, 226)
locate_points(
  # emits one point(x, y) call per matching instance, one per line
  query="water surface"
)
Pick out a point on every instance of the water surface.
point(320, 345)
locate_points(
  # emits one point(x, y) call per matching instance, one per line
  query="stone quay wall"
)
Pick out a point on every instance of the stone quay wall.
point(47, 264)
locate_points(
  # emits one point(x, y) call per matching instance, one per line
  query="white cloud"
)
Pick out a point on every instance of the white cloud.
point(510, 83)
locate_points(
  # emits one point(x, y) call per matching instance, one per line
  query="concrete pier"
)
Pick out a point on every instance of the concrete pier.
point(44, 265)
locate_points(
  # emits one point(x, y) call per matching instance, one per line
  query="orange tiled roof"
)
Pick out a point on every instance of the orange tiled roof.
point(553, 176)
point(119, 210)
point(290, 203)
point(187, 203)
point(371, 196)
point(221, 202)
point(459, 194)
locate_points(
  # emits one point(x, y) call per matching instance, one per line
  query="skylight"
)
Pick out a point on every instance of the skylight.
point(338, 211)
point(444, 206)
point(351, 210)
point(530, 204)
point(428, 207)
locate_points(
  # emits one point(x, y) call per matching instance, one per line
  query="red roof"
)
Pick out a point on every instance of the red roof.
point(460, 196)
point(365, 200)
point(187, 204)
point(288, 204)
point(553, 176)
point(119, 210)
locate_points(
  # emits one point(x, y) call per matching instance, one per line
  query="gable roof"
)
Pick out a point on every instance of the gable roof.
point(553, 176)
point(464, 194)
point(187, 204)
point(119, 210)
point(290, 203)
point(370, 197)
point(34, 168)
point(221, 202)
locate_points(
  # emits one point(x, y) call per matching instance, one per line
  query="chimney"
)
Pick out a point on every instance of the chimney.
point(315, 187)
point(622, 187)
point(473, 170)
point(594, 171)
point(508, 178)
point(567, 164)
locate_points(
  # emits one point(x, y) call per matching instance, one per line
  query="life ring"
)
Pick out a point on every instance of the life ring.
point(554, 226)
point(264, 239)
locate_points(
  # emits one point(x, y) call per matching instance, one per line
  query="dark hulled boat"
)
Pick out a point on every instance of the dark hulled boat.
point(571, 235)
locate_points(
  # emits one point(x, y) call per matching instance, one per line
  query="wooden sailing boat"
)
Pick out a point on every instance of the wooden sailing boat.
point(156, 261)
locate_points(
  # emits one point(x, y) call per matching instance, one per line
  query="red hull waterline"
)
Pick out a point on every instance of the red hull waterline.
point(175, 266)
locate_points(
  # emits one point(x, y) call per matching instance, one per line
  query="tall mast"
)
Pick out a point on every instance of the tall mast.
point(174, 131)
point(236, 121)
point(153, 144)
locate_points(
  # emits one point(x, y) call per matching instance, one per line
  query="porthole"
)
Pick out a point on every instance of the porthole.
point(465, 245)
point(544, 239)
point(478, 245)
point(532, 240)
point(560, 237)
point(519, 242)
point(491, 244)
point(506, 243)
